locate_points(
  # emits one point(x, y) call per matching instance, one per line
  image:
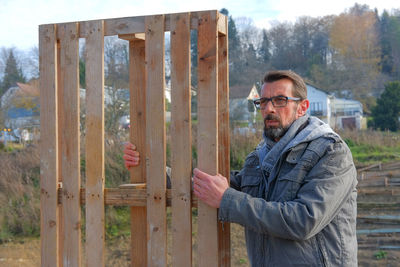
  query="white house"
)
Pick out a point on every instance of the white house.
point(337, 112)
point(239, 97)
point(20, 105)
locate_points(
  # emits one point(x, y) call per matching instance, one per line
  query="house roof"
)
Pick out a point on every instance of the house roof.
point(240, 91)
point(27, 90)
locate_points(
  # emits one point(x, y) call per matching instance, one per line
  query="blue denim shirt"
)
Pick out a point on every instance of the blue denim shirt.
point(302, 212)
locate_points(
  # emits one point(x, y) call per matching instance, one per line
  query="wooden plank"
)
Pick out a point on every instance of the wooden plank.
point(132, 37)
point(135, 197)
point(70, 143)
point(181, 141)
point(60, 96)
point(223, 137)
point(132, 25)
point(49, 211)
point(379, 191)
point(207, 140)
point(222, 25)
point(155, 142)
point(137, 85)
point(95, 236)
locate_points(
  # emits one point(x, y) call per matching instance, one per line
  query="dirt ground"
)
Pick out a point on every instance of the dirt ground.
point(26, 253)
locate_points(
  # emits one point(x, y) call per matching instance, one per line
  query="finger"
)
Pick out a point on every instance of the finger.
point(199, 182)
point(129, 145)
point(198, 193)
point(131, 152)
point(222, 177)
point(130, 158)
point(132, 163)
point(199, 174)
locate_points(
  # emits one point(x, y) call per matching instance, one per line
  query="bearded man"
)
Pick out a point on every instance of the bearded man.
point(296, 194)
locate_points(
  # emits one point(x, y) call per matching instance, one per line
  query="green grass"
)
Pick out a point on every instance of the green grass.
point(369, 153)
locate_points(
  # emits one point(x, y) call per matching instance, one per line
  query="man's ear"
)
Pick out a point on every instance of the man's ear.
point(302, 107)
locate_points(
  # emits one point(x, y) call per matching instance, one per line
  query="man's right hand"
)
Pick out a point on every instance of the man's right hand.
point(131, 156)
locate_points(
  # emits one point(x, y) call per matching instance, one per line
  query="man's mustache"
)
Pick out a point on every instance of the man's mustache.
point(271, 117)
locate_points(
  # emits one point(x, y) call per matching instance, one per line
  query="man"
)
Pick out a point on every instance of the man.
point(295, 195)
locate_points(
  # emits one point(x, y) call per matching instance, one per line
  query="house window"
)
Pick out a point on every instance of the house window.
point(316, 109)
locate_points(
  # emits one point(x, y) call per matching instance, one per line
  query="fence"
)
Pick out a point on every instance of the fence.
point(61, 191)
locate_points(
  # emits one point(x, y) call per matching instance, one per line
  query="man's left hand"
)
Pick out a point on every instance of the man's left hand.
point(209, 188)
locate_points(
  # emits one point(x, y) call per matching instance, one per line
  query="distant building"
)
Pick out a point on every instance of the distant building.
point(339, 113)
point(239, 97)
point(20, 105)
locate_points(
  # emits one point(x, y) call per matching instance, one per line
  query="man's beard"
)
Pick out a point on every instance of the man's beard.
point(275, 133)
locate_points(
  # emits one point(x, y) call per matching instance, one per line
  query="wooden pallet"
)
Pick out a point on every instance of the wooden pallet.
point(61, 193)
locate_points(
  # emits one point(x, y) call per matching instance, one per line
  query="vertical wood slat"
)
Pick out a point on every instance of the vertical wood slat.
point(181, 140)
point(207, 142)
point(137, 85)
point(95, 237)
point(49, 210)
point(70, 143)
point(223, 138)
point(60, 96)
point(155, 141)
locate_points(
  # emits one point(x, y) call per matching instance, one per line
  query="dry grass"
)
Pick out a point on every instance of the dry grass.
point(375, 138)
point(19, 193)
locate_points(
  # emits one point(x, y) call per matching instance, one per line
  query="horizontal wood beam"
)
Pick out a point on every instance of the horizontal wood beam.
point(135, 25)
point(125, 197)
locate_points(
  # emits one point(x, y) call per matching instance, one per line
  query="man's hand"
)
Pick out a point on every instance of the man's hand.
point(209, 188)
point(131, 156)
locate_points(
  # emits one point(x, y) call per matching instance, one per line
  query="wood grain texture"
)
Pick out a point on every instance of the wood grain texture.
point(207, 139)
point(181, 152)
point(49, 211)
point(137, 85)
point(60, 96)
point(155, 142)
point(223, 138)
point(70, 145)
point(134, 197)
point(133, 25)
point(95, 223)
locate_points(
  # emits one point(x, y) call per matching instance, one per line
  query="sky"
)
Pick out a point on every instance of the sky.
point(19, 19)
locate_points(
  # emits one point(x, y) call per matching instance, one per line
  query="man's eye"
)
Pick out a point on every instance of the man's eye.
point(280, 99)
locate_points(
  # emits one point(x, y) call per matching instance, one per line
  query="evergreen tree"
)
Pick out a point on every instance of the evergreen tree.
point(12, 73)
point(384, 38)
point(387, 111)
point(264, 49)
point(235, 53)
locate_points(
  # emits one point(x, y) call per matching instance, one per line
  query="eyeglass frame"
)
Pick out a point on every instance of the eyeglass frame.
point(267, 99)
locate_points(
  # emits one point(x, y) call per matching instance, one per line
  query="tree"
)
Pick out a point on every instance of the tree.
point(264, 50)
point(385, 41)
point(282, 42)
point(386, 113)
point(235, 53)
point(116, 64)
point(356, 51)
point(12, 72)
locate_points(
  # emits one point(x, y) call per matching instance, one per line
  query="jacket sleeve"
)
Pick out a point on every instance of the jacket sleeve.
point(326, 188)
point(235, 178)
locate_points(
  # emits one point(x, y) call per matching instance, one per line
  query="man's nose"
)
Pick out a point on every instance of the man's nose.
point(269, 107)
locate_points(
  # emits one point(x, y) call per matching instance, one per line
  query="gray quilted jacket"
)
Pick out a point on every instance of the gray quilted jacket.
point(297, 199)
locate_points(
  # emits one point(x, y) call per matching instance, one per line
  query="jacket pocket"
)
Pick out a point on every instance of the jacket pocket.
point(287, 186)
point(251, 184)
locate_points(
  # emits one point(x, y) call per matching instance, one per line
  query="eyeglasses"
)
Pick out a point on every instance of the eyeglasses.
point(277, 101)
